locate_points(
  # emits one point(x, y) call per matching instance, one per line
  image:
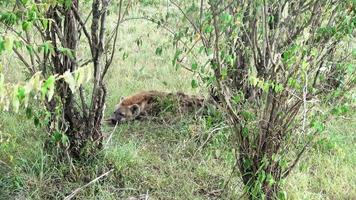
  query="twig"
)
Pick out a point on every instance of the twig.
point(5, 164)
point(305, 108)
point(112, 132)
point(146, 198)
point(86, 62)
point(108, 62)
point(208, 138)
point(28, 66)
point(76, 191)
point(204, 40)
point(82, 24)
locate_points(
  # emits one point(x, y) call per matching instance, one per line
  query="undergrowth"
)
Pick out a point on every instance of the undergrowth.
point(182, 157)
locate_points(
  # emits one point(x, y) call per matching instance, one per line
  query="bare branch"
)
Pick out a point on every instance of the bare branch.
point(23, 60)
point(76, 191)
point(82, 24)
point(108, 62)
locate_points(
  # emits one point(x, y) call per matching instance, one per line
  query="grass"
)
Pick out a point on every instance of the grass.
point(183, 158)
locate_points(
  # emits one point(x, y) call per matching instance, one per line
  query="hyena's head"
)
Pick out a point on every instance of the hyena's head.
point(124, 113)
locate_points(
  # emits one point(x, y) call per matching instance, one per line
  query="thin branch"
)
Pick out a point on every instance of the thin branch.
point(84, 105)
point(289, 169)
point(5, 164)
point(110, 136)
point(82, 24)
point(86, 62)
point(59, 33)
point(86, 20)
point(23, 60)
point(225, 8)
point(76, 191)
point(204, 40)
point(108, 62)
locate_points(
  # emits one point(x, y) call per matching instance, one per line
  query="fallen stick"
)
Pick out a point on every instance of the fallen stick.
point(76, 191)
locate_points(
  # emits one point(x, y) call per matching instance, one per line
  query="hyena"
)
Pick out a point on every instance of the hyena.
point(151, 103)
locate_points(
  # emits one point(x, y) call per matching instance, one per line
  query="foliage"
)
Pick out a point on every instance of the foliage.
point(45, 37)
point(36, 88)
point(271, 64)
point(157, 158)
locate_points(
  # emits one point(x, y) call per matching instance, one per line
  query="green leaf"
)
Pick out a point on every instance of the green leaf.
point(194, 83)
point(317, 125)
point(66, 51)
point(8, 43)
point(21, 93)
point(65, 140)
point(175, 57)
point(2, 86)
point(57, 136)
point(245, 132)
point(208, 29)
point(226, 18)
point(253, 80)
point(238, 97)
point(350, 68)
point(194, 66)
point(261, 176)
point(278, 88)
point(32, 15)
point(2, 45)
point(29, 113)
point(270, 180)
point(48, 87)
point(36, 121)
point(224, 73)
point(47, 47)
point(282, 195)
point(45, 23)
point(26, 25)
point(15, 101)
point(125, 55)
point(29, 49)
point(159, 51)
point(139, 42)
point(67, 4)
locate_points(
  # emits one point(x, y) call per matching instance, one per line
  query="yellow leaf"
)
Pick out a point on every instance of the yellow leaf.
point(69, 79)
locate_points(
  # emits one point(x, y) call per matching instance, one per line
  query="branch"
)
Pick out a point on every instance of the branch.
point(84, 105)
point(289, 169)
point(82, 24)
point(108, 62)
point(24, 61)
point(76, 191)
point(86, 62)
point(86, 20)
point(225, 8)
point(204, 40)
point(5, 164)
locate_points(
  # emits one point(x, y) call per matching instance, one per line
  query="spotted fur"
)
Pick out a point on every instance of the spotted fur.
point(150, 103)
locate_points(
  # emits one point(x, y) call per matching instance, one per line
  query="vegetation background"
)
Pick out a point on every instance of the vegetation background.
point(183, 158)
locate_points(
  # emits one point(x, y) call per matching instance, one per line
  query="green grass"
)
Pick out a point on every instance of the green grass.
point(182, 158)
point(328, 171)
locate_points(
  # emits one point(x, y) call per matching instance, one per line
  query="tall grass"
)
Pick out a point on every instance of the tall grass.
point(184, 158)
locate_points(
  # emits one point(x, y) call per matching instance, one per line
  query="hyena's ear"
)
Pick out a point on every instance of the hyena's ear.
point(121, 99)
point(136, 110)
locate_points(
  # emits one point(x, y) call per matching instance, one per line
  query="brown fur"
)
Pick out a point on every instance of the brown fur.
point(146, 103)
